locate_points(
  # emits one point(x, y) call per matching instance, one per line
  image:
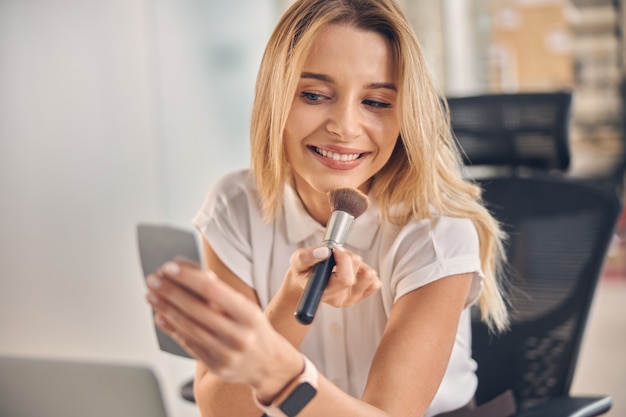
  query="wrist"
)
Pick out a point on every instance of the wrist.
point(283, 304)
point(268, 388)
point(292, 286)
point(294, 396)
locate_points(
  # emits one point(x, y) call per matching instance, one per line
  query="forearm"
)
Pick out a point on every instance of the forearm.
point(236, 400)
point(280, 312)
point(332, 401)
point(217, 398)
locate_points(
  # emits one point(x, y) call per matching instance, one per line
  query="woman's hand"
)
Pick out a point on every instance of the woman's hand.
point(222, 328)
point(351, 281)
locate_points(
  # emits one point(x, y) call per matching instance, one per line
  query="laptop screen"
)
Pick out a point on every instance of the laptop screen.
point(54, 388)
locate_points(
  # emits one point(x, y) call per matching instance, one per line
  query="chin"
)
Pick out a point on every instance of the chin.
point(343, 182)
point(324, 182)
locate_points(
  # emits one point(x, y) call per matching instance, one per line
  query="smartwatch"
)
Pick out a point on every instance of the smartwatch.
point(295, 396)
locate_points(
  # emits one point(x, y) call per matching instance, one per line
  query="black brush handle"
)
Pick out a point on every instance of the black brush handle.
point(312, 295)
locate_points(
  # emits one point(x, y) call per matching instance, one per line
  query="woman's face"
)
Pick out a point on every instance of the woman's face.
point(343, 123)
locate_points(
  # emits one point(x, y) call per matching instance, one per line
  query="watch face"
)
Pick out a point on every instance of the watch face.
point(298, 398)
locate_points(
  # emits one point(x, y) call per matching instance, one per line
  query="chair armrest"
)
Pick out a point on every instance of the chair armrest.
point(569, 407)
point(186, 391)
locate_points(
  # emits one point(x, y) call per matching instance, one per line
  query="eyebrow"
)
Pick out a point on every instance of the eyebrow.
point(327, 79)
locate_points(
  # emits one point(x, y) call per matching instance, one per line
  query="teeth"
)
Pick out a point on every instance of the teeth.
point(337, 156)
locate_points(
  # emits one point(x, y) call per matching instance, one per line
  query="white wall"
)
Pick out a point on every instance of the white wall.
point(111, 112)
point(461, 58)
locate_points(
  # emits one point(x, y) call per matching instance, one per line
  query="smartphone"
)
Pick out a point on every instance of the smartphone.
point(159, 243)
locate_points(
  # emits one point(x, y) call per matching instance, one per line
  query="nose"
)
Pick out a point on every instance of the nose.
point(345, 120)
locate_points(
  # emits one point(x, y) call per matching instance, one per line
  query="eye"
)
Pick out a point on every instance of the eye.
point(311, 97)
point(377, 104)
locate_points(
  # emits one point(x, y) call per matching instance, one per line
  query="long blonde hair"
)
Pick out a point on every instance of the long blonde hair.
point(424, 170)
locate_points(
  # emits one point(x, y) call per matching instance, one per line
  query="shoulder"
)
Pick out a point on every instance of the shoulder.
point(438, 229)
point(451, 234)
point(232, 199)
point(431, 240)
point(235, 183)
point(426, 250)
point(234, 190)
point(454, 237)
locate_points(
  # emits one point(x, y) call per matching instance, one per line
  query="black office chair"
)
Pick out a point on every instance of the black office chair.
point(513, 130)
point(559, 231)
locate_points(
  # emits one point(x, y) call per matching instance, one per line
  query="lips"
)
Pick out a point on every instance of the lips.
point(343, 157)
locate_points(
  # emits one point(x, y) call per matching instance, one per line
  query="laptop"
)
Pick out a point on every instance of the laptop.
point(37, 387)
point(159, 243)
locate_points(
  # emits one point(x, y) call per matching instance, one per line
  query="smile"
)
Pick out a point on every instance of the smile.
point(337, 156)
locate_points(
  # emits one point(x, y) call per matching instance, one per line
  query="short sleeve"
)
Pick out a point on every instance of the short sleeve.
point(433, 249)
point(224, 221)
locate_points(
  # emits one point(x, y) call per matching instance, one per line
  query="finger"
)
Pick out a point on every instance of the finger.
point(186, 274)
point(344, 273)
point(304, 259)
point(367, 283)
point(175, 302)
point(211, 331)
point(163, 323)
point(372, 288)
point(211, 358)
point(169, 291)
point(184, 261)
point(367, 278)
point(222, 356)
point(187, 334)
point(229, 301)
point(208, 350)
point(220, 363)
point(207, 286)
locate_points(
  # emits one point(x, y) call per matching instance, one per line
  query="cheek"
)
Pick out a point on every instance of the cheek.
point(290, 135)
point(387, 138)
point(301, 123)
point(290, 147)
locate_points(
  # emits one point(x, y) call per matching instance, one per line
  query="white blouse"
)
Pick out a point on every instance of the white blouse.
point(342, 341)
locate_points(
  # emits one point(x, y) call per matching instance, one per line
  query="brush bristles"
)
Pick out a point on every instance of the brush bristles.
point(348, 199)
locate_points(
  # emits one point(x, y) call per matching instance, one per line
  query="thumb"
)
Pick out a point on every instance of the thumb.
point(304, 259)
point(320, 252)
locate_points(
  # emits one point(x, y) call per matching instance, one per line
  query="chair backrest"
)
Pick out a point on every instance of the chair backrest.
point(559, 231)
point(513, 130)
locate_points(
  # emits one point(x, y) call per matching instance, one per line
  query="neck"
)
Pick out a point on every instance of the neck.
point(315, 202)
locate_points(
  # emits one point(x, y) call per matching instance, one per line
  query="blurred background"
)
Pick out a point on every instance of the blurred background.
point(114, 112)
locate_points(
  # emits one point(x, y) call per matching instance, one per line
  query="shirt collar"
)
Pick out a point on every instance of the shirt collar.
point(300, 225)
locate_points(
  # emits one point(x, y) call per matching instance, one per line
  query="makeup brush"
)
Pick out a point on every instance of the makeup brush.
point(347, 204)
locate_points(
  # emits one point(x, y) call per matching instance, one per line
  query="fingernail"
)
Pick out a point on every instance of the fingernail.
point(339, 248)
point(321, 252)
point(171, 268)
point(160, 321)
point(154, 282)
point(153, 299)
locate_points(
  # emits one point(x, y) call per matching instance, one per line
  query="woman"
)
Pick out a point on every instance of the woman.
point(343, 99)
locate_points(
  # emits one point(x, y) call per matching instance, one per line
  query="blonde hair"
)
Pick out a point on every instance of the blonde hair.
point(424, 170)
